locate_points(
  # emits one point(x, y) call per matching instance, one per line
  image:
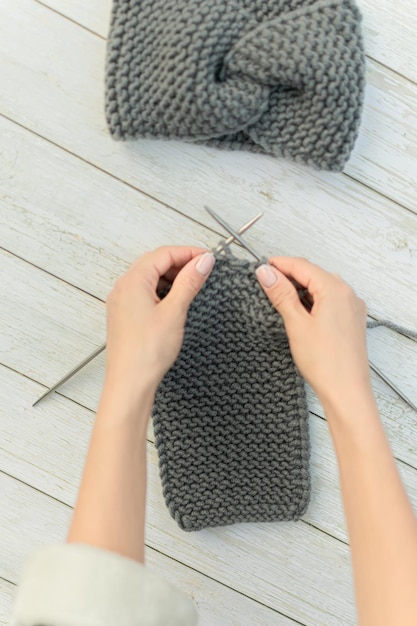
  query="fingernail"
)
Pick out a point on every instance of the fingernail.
point(266, 275)
point(205, 263)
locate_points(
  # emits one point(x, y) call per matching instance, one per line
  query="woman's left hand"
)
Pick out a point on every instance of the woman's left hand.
point(145, 333)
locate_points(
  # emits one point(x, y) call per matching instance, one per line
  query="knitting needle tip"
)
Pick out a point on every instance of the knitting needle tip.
point(232, 232)
point(70, 374)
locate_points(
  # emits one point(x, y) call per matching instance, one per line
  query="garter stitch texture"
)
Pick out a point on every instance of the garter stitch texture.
point(230, 417)
point(283, 77)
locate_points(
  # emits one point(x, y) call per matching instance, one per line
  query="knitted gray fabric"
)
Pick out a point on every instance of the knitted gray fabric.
point(230, 417)
point(284, 77)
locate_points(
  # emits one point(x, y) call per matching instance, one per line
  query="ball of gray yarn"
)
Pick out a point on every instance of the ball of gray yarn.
point(283, 77)
point(230, 417)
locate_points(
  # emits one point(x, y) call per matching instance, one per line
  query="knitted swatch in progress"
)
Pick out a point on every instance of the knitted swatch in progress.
point(283, 77)
point(230, 417)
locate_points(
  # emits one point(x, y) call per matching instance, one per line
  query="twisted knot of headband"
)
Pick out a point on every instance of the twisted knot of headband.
point(284, 77)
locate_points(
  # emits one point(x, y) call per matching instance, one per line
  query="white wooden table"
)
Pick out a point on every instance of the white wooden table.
point(76, 208)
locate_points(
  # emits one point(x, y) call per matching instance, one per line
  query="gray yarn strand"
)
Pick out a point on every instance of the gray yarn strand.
point(281, 77)
point(401, 330)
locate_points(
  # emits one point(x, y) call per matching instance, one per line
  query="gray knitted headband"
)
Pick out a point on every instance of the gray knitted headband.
point(230, 417)
point(283, 77)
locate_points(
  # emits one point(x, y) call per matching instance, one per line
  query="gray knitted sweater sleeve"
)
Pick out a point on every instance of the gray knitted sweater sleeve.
point(80, 585)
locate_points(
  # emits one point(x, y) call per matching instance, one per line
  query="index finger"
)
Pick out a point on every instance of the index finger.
point(157, 263)
point(308, 275)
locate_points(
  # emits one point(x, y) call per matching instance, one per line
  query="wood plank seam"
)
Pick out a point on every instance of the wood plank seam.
point(51, 274)
point(113, 176)
point(161, 201)
point(66, 17)
point(226, 586)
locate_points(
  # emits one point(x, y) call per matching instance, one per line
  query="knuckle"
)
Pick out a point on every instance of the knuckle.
point(288, 294)
point(189, 284)
point(193, 284)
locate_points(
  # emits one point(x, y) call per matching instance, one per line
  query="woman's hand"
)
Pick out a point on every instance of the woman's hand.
point(144, 333)
point(329, 342)
point(144, 336)
point(329, 347)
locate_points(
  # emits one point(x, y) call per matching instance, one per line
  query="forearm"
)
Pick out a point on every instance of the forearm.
point(381, 524)
point(110, 510)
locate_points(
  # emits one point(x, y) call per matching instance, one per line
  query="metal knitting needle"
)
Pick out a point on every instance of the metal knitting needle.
point(242, 230)
point(233, 233)
point(308, 305)
point(70, 374)
point(303, 293)
point(96, 352)
point(392, 386)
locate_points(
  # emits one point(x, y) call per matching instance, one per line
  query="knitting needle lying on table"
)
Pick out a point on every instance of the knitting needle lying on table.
point(392, 386)
point(97, 351)
point(70, 374)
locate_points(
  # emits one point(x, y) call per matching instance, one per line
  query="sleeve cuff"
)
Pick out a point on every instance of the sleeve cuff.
point(73, 584)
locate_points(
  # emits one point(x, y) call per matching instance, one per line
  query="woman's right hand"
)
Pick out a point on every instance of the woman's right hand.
point(328, 343)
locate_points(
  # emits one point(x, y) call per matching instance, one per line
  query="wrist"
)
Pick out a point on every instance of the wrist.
point(352, 415)
point(350, 395)
point(123, 399)
point(132, 379)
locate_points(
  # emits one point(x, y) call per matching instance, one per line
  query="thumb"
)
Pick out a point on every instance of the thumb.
point(281, 293)
point(190, 280)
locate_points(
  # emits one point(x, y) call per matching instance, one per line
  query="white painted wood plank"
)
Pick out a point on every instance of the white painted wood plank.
point(282, 562)
point(390, 34)
point(88, 13)
point(389, 28)
point(23, 527)
point(7, 591)
point(74, 220)
point(84, 226)
point(63, 67)
point(385, 154)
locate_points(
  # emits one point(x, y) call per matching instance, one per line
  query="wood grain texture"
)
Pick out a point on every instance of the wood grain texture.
point(7, 591)
point(389, 28)
point(75, 120)
point(32, 519)
point(68, 227)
